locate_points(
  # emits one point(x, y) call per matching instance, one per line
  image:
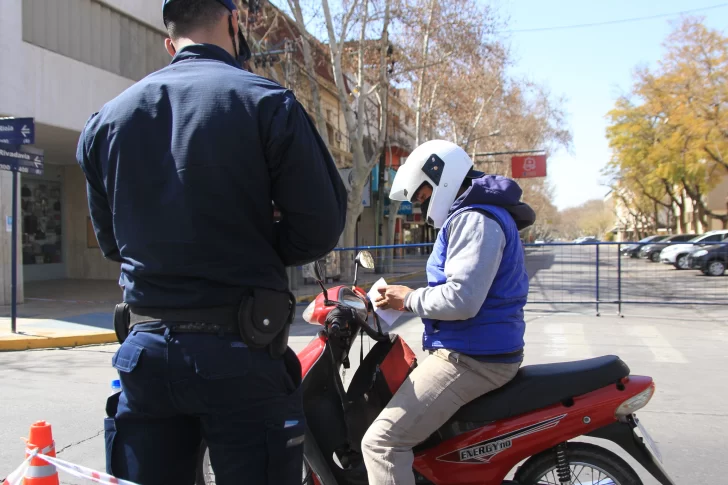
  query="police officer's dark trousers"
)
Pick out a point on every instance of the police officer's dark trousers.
point(181, 388)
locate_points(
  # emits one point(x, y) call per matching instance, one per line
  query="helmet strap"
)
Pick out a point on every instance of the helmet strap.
point(232, 36)
point(240, 48)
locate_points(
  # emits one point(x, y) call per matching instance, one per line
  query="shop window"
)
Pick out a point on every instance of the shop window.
point(42, 222)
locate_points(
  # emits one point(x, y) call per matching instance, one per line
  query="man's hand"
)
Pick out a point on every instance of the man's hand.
point(392, 297)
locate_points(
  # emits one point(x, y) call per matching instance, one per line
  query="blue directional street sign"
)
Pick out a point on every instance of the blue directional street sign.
point(17, 131)
point(22, 159)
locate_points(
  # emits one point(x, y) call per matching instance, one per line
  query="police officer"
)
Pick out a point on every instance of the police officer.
point(182, 170)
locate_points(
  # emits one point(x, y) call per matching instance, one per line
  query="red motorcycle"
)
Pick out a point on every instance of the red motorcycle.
point(533, 418)
point(530, 421)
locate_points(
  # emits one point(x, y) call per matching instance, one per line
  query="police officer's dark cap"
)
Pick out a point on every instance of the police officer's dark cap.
point(229, 4)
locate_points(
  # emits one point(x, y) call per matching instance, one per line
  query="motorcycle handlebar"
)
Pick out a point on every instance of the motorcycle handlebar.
point(339, 316)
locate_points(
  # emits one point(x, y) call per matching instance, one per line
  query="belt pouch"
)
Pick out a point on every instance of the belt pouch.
point(264, 315)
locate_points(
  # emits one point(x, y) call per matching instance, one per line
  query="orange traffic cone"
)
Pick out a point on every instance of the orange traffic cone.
point(41, 472)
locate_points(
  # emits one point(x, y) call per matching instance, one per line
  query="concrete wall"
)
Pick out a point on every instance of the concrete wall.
point(149, 12)
point(54, 89)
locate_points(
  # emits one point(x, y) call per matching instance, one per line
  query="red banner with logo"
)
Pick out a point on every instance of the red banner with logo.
point(528, 166)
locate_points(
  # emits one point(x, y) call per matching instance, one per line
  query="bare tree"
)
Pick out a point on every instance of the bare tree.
point(359, 13)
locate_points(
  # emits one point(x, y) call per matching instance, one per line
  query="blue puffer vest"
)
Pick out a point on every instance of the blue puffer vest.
point(498, 327)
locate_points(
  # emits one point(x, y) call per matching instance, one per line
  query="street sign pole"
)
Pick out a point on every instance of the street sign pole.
point(14, 258)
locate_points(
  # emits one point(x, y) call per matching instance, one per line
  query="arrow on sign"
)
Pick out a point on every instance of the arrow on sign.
point(23, 159)
point(17, 131)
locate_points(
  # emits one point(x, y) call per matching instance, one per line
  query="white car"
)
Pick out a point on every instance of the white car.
point(677, 255)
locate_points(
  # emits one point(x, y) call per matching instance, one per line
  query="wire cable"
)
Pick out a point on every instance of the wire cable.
point(612, 22)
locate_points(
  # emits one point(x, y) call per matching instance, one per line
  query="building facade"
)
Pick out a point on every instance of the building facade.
point(61, 61)
point(64, 59)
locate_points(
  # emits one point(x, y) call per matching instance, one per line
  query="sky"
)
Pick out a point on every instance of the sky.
point(591, 67)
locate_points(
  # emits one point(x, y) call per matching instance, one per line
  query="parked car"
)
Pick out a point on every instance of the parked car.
point(586, 240)
point(651, 251)
point(711, 260)
point(677, 255)
point(633, 250)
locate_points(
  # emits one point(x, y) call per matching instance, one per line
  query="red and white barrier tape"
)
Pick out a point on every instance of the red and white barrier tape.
point(16, 478)
point(79, 471)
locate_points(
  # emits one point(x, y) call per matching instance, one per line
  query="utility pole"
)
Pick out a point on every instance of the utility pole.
point(379, 216)
point(379, 237)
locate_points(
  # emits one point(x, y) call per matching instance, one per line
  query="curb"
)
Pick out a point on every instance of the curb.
point(366, 286)
point(56, 342)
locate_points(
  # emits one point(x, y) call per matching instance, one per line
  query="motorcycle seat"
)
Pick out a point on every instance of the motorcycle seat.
point(538, 386)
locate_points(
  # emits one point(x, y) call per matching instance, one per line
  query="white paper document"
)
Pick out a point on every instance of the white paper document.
point(388, 316)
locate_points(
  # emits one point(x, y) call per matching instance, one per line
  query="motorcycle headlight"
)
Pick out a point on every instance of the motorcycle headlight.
point(308, 313)
point(700, 253)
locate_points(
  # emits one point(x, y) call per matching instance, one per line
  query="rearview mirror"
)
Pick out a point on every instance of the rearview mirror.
point(320, 280)
point(365, 259)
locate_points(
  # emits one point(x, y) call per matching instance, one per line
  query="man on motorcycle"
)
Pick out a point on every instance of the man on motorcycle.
point(472, 308)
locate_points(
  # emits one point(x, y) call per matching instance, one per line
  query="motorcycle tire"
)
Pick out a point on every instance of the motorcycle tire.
point(600, 458)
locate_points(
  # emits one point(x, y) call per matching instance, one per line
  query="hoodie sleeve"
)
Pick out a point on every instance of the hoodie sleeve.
point(474, 252)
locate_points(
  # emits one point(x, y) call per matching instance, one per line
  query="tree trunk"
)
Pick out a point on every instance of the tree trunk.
point(702, 217)
point(349, 236)
point(680, 215)
point(362, 166)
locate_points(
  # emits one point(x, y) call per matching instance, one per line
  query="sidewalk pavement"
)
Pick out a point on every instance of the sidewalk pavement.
point(70, 313)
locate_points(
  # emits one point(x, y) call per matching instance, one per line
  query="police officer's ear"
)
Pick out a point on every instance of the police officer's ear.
point(171, 49)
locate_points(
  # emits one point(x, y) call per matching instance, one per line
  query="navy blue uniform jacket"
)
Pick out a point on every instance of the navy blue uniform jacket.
point(182, 169)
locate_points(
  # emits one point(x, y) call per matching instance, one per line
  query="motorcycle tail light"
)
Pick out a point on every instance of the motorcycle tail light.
point(636, 402)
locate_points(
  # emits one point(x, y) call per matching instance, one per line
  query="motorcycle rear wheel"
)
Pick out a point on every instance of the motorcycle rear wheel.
point(607, 468)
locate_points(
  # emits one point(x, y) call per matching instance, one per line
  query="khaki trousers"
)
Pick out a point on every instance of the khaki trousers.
point(436, 389)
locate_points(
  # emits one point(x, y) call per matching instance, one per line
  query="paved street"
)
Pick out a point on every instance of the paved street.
point(683, 350)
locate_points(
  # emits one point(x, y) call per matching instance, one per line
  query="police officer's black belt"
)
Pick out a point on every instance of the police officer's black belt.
point(262, 320)
point(196, 320)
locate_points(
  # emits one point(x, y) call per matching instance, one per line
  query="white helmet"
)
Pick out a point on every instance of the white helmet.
point(443, 165)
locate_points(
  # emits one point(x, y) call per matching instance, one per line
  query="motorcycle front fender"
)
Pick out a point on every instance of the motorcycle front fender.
point(622, 433)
